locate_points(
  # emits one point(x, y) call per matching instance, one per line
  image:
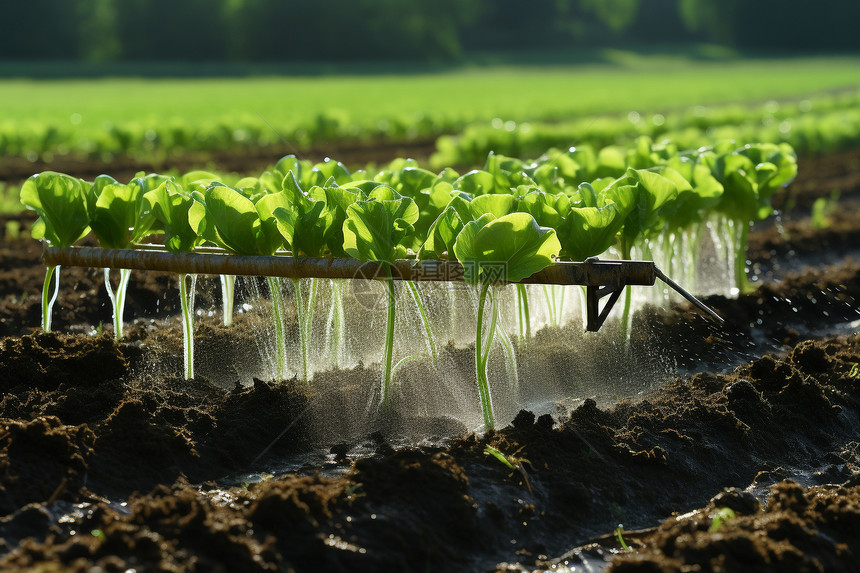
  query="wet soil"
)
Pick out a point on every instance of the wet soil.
point(444, 506)
point(106, 463)
point(794, 529)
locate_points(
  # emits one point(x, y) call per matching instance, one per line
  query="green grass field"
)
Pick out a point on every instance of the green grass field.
point(519, 93)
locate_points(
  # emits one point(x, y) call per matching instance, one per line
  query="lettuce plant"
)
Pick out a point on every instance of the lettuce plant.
point(494, 251)
point(303, 222)
point(373, 231)
point(439, 245)
point(170, 206)
point(548, 210)
point(61, 202)
point(685, 217)
point(750, 175)
point(226, 217)
point(198, 181)
point(642, 194)
point(430, 192)
point(312, 223)
point(120, 217)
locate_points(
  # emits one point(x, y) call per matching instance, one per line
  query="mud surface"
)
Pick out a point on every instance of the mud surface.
point(106, 462)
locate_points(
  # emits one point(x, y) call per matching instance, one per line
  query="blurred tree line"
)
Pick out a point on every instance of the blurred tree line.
point(340, 30)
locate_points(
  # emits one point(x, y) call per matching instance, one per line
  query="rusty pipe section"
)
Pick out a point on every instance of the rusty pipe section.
point(690, 298)
point(592, 272)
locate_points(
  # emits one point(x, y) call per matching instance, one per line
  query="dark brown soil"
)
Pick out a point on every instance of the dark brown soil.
point(448, 507)
point(818, 176)
point(106, 463)
point(251, 160)
point(796, 529)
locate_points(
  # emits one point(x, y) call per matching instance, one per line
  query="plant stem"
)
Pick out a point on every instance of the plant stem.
point(388, 355)
point(494, 318)
point(186, 303)
point(626, 319)
point(740, 253)
point(506, 343)
point(583, 301)
point(48, 303)
point(520, 318)
point(403, 361)
point(548, 294)
point(277, 315)
point(452, 309)
point(117, 299)
point(525, 319)
point(481, 363)
point(309, 324)
point(335, 324)
point(300, 321)
point(560, 304)
point(416, 296)
point(669, 253)
point(228, 288)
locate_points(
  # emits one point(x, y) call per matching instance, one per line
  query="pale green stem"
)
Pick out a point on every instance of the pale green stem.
point(308, 325)
point(506, 343)
point(694, 245)
point(228, 288)
point(117, 299)
point(47, 299)
point(334, 325)
point(669, 254)
point(403, 361)
point(277, 316)
point(494, 319)
point(725, 230)
point(388, 355)
point(583, 301)
point(626, 319)
point(520, 320)
point(452, 309)
point(186, 303)
point(560, 304)
point(300, 321)
point(690, 262)
point(525, 319)
point(740, 254)
point(416, 296)
point(550, 304)
point(481, 364)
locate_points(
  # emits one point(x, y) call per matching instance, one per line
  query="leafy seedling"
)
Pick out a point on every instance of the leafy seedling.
point(823, 209)
point(61, 202)
point(494, 251)
point(619, 531)
point(512, 462)
point(170, 205)
point(721, 517)
point(375, 230)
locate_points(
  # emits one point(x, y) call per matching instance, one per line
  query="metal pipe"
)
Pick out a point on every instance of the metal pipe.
point(592, 272)
point(602, 277)
point(696, 302)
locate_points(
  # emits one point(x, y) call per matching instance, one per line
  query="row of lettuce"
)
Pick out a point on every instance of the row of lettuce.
point(158, 137)
point(513, 215)
point(815, 125)
point(810, 128)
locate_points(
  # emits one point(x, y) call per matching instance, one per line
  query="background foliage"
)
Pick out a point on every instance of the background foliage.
point(442, 30)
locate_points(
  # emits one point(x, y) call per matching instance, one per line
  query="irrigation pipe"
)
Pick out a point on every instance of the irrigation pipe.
point(601, 277)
